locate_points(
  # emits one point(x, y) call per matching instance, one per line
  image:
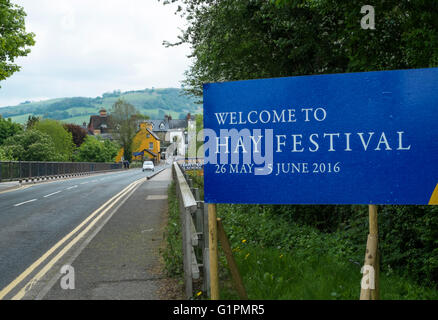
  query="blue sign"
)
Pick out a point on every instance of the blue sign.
point(357, 138)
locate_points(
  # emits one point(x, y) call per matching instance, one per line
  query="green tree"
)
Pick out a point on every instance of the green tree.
point(8, 129)
point(95, 150)
point(5, 154)
point(30, 145)
point(61, 138)
point(31, 121)
point(124, 124)
point(248, 39)
point(14, 40)
point(78, 133)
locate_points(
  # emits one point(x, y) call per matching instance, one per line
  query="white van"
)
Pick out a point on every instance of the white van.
point(148, 165)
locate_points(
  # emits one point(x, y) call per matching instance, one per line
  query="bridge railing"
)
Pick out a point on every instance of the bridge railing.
point(194, 227)
point(23, 170)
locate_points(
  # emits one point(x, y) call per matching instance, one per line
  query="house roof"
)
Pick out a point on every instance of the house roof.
point(159, 125)
point(152, 133)
point(151, 152)
point(166, 125)
point(136, 154)
point(178, 124)
point(99, 123)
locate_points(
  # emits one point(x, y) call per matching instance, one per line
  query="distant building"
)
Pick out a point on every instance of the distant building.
point(167, 131)
point(170, 131)
point(100, 125)
point(146, 145)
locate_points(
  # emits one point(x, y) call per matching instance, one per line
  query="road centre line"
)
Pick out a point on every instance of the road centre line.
point(88, 238)
point(20, 204)
point(110, 203)
point(64, 250)
point(52, 194)
point(74, 187)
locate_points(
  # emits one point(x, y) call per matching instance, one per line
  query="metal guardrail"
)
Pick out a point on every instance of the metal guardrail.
point(21, 170)
point(194, 226)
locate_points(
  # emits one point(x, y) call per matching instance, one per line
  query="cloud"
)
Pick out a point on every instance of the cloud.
point(87, 47)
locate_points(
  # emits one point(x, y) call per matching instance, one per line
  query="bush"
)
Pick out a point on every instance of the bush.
point(8, 129)
point(94, 150)
point(62, 139)
point(30, 145)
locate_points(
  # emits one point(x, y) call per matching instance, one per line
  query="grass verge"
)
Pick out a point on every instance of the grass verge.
point(282, 260)
point(172, 253)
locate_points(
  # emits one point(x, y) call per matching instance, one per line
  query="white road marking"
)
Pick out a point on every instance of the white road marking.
point(20, 204)
point(156, 197)
point(71, 188)
point(94, 218)
point(52, 194)
point(85, 182)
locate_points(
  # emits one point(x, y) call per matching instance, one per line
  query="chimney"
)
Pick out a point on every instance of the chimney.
point(102, 113)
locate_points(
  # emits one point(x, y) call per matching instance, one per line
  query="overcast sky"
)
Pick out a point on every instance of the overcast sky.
point(88, 47)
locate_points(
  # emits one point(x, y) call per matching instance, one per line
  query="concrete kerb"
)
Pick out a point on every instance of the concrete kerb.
point(157, 173)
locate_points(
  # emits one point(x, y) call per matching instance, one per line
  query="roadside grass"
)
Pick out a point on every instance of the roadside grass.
point(172, 253)
point(272, 274)
point(282, 260)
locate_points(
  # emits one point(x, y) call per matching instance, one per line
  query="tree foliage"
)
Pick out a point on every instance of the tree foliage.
point(94, 150)
point(5, 154)
point(247, 39)
point(61, 138)
point(14, 40)
point(31, 121)
point(30, 145)
point(8, 129)
point(124, 124)
point(78, 133)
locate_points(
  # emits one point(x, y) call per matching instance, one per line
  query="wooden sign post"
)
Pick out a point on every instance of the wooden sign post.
point(214, 266)
point(370, 279)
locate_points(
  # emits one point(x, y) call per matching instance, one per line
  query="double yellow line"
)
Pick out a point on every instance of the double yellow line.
point(91, 220)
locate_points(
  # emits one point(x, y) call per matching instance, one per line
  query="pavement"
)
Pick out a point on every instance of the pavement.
point(122, 261)
point(108, 227)
point(6, 186)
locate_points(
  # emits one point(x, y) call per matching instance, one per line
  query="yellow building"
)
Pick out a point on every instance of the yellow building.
point(146, 145)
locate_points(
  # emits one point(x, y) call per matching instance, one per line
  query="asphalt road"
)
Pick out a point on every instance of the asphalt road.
point(34, 218)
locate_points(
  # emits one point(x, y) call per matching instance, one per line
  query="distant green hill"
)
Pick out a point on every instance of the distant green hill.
point(152, 102)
